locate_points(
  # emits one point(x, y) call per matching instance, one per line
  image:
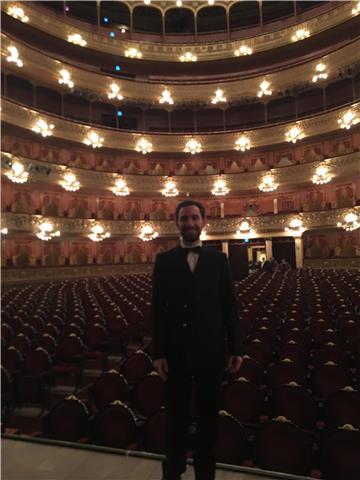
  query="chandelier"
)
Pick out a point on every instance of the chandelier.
point(300, 34)
point(242, 143)
point(4, 231)
point(70, 182)
point(133, 52)
point(321, 73)
point(220, 188)
point(264, 89)
point(295, 227)
point(170, 189)
point(166, 97)
point(17, 173)
point(76, 39)
point(322, 175)
point(143, 145)
point(351, 222)
point(98, 233)
point(294, 134)
point(193, 146)
point(120, 188)
point(219, 97)
point(114, 92)
point(93, 139)
point(188, 57)
point(14, 56)
point(356, 9)
point(65, 78)
point(243, 50)
point(147, 232)
point(43, 128)
point(244, 229)
point(46, 231)
point(348, 120)
point(17, 13)
point(268, 183)
point(179, 3)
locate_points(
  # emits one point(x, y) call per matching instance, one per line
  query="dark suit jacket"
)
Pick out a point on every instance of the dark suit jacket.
point(193, 313)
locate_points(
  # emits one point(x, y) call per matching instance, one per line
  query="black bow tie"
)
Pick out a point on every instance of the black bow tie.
point(191, 249)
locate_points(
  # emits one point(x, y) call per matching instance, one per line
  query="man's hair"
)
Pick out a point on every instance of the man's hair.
point(188, 203)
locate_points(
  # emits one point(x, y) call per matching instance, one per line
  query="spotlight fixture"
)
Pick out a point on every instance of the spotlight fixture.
point(14, 56)
point(220, 188)
point(76, 39)
point(321, 73)
point(243, 50)
point(349, 119)
point(93, 139)
point(170, 189)
point(188, 57)
point(114, 92)
point(193, 146)
point(295, 227)
point(242, 143)
point(300, 34)
point(179, 3)
point(120, 188)
point(147, 232)
point(70, 182)
point(294, 134)
point(143, 145)
point(46, 231)
point(268, 183)
point(219, 97)
point(97, 233)
point(166, 97)
point(351, 221)
point(133, 52)
point(17, 174)
point(43, 128)
point(65, 78)
point(264, 89)
point(17, 13)
point(322, 175)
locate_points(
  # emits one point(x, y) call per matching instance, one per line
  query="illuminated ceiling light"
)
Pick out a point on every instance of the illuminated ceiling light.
point(294, 134)
point(4, 231)
point(242, 143)
point(43, 128)
point(351, 222)
point(188, 57)
point(143, 145)
point(123, 28)
point(211, 2)
point(220, 188)
point(349, 119)
point(17, 13)
point(120, 188)
point(295, 227)
point(133, 52)
point(321, 73)
point(356, 9)
point(97, 233)
point(114, 92)
point(268, 183)
point(193, 146)
point(17, 174)
point(300, 34)
point(147, 2)
point(147, 232)
point(46, 231)
point(322, 175)
point(65, 78)
point(264, 89)
point(244, 229)
point(70, 182)
point(166, 97)
point(178, 3)
point(243, 50)
point(203, 235)
point(170, 189)
point(14, 56)
point(93, 139)
point(219, 96)
point(76, 39)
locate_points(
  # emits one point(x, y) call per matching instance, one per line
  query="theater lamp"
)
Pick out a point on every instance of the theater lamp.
point(114, 92)
point(14, 56)
point(120, 188)
point(47, 231)
point(220, 188)
point(42, 127)
point(70, 182)
point(322, 175)
point(76, 39)
point(17, 13)
point(242, 143)
point(351, 222)
point(17, 174)
point(97, 233)
point(143, 145)
point(94, 140)
point(188, 57)
point(192, 146)
point(268, 183)
point(147, 232)
point(244, 230)
point(170, 189)
point(295, 227)
point(349, 119)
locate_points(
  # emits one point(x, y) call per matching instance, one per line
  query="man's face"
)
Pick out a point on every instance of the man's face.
point(190, 223)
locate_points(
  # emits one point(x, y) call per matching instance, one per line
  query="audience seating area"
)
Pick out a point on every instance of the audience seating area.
point(76, 366)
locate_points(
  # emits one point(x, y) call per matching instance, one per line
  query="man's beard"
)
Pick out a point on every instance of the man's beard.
point(191, 235)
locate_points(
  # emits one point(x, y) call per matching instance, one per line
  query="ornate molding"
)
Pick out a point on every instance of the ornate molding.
point(24, 117)
point(98, 39)
point(333, 263)
point(42, 69)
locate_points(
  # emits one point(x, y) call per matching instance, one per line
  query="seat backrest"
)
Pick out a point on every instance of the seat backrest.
point(154, 432)
point(243, 400)
point(68, 420)
point(148, 394)
point(231, 440)
point(109, 387)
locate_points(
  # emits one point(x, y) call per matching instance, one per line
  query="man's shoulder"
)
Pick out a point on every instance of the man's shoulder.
point(213, 252)
point(167, 253)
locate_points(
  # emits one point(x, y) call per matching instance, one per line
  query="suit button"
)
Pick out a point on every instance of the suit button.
point(184, 325)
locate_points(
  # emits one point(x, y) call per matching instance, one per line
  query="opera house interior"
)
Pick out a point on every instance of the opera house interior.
point(112, 113)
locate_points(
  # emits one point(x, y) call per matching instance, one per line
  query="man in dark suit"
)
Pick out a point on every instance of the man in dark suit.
point(194, 313)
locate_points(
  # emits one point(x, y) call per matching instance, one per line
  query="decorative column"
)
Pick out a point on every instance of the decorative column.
point(225, 247)
point(275, 206)
point(222, 210)
point(268, 248)
point(299, 252)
